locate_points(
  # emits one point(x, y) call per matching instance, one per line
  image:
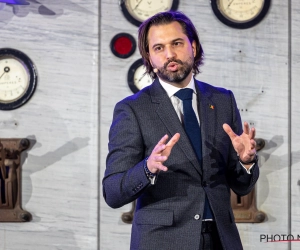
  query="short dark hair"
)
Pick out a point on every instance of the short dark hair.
point(165, 18)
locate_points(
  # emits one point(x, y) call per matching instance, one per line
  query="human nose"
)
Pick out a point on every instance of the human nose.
point(170, 53)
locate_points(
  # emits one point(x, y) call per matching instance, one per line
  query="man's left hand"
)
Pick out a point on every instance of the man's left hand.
point(243, 144)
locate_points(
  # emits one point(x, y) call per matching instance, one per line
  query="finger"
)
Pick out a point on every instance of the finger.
point(160, 158)
point(173, 140)
point(246, 128)
point(251, 153)
point(229, 131)
point(170, 144)
point(163, 140)
point(155, 166)
point(160, 167)
point(163, 168)
point(252, 133)
point(253, 144)
point(159, 148)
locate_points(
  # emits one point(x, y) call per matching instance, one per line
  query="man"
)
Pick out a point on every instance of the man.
point(182, 184)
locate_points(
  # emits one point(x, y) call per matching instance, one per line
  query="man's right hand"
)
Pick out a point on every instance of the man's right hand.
point(161, 153)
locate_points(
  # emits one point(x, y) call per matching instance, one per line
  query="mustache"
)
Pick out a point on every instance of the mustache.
point(172, 60)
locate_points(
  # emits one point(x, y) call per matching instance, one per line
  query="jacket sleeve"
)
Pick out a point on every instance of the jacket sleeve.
point(124, 177)
point(239, 180)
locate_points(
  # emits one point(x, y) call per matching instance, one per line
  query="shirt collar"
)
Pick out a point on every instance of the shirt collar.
point(171, 90)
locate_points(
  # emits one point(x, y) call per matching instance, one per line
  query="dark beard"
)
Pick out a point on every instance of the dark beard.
point(176, 76)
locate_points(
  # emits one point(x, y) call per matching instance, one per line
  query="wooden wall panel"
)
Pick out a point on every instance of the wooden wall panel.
point(114, 234)
point(60, 171)
point(295, 121)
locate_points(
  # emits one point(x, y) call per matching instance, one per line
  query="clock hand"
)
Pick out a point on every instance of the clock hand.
point(230, 3)
point(137, 4)
point(6, 70)
point(142, 77)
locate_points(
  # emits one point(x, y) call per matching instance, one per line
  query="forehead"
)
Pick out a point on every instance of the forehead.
point(164, 33)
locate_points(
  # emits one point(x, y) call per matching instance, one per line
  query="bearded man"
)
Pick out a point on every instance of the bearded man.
point(178, 147)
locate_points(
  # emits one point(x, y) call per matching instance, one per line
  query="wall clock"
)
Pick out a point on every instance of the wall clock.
point(18, 78)
point(136, 77)
point(137, 11)
point(240, 14)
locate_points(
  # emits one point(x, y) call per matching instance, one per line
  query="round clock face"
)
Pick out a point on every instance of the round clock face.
point(137, 11)
point(137, 79)
point(240, 14)
point(14, 79)
point(18, 79)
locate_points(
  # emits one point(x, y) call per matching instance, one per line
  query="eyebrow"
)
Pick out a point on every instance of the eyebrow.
point(173, 41)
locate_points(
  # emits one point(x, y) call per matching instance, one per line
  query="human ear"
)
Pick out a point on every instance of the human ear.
point(194, 48)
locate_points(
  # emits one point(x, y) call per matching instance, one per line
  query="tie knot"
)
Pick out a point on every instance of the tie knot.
point(184, 94)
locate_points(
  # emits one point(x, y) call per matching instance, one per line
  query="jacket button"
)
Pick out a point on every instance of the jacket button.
point(197, 217)
point(204, 183)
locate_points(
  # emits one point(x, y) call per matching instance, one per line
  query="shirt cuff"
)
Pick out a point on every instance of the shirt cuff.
point(249, 169)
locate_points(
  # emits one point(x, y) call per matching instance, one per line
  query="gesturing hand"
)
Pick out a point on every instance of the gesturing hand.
point(161, 153)
point(244, 144)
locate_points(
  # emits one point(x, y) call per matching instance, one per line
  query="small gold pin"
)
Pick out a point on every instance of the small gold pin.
point(211, 106)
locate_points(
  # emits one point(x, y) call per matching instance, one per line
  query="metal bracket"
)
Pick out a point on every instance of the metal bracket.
point(244, 207)
point(128, 216)
point(10, 180)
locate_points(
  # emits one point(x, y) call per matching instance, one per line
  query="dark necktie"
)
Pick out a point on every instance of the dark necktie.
point(192, 129)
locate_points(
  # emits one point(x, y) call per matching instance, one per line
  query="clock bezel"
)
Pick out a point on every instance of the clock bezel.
point(136, 22)
point(130, 75)
point(241, 25)
point(33, 78)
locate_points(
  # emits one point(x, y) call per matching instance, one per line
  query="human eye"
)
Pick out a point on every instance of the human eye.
point(177, 43)
point(157, 48)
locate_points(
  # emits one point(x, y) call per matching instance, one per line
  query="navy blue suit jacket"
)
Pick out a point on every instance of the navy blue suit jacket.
point(166, 213)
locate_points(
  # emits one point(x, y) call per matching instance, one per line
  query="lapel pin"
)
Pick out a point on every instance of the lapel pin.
point(211, 106)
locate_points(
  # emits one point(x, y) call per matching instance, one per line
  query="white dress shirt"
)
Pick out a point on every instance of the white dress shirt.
point(177, 103)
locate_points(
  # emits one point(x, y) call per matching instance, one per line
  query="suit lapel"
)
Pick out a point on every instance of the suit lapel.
point(167, 114)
